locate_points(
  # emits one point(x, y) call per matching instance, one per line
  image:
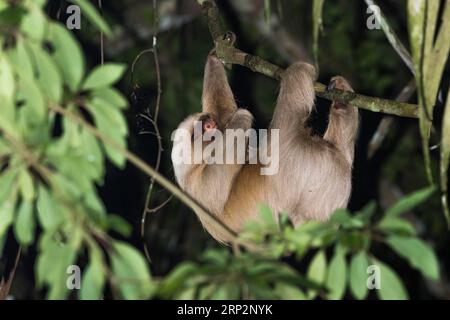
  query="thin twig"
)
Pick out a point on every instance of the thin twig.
point(5, 286)
point(162, 205)
point(152, 183)
point(153, 121)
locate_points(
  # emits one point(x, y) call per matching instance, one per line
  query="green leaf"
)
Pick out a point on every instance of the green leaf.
point(93, 15)
point(418, 253)
point(340, 216)
point(392, 287)
point(68, 55)
point(94, 277)
point(12, 16)
point(40, 3)
point(6, 181)
point(120, 225)
point(32, 97)
point(111, 96)
point(49, 77)
point(93, 153)
point(410, 201)
point(416, 24)
point(7, 92)
point(287, 291)
point(206, 291)
point(358, 275)
point(34, 23)
point(445, 159)
point(186, 294)
point(96, 208)
point(7, 213)
point(49, 211)
point(26, 185)
point(20, 58)
point(69, 167)
point(367, 212)
point(216, 257)
point(337, 275)
point(317, 271)
point(114, 117)
point(436, 55)
point(176, 278)
point(356, 240)
point(226, 291)
point(25, 225)
point(131, 273)
point(111, 123)
point(266, 215)
point(395, 225)
point(4, 148)
point(53, 260)
point(345, 219)
point(104, 76)
point(67, 189)
point(431, 19)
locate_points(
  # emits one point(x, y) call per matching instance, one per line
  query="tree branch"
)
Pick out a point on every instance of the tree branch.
point(229, 54)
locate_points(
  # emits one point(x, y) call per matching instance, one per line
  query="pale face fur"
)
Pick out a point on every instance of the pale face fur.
point(314, 176)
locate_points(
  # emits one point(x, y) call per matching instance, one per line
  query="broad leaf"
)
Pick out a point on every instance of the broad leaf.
point(358, 275)
point(396, 225)
point(104, 76)
point(392, 287)
point(419, 254)
point(445, 159)
point(94, 277)
point(131, 274)
point(49, 211)
point(68, 55)
point(410, 201)
point(25, 225)
point(317, 271)
point(111, 96)
point(93, 15)
point(49, 77)
point(337, 275)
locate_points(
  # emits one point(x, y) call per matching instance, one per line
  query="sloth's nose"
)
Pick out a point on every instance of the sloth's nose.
point(209, 124)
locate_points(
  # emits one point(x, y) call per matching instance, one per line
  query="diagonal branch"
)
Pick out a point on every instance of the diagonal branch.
point(229, 54)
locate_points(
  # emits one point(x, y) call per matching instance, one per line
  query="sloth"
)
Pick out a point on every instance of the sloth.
point(314, 172)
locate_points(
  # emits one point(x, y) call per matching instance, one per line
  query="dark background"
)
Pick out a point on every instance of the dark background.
point(347, 47)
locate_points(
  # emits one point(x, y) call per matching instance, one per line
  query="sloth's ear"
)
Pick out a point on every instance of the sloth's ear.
point(217, 97)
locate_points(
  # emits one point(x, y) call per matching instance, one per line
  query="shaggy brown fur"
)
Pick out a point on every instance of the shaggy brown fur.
point(314, 176)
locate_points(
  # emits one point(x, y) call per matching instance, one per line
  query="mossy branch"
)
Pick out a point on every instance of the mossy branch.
point(225, 50)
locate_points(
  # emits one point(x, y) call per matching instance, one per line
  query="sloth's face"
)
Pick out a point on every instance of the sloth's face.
point(196, 131)
point(209, 124)
point(205, 125)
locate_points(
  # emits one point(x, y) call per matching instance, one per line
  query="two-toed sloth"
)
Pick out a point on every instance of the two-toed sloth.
point(314, 173)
